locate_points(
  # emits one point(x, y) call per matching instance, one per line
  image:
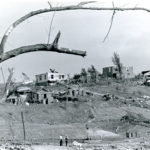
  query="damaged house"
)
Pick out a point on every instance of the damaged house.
point(19, 95)
point(31, 95)
point(50, 78)
point(41, 96)
point(67, 95)
point(71, 94)
point(111, 71)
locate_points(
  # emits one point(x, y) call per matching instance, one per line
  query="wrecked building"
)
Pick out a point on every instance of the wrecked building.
point(137, 132)
point(12, 99)
point(19, 96)
point(90, 77)
point(111, 71)
point(68, 95)
point(40, 96)
point(127, 72)
point(31, 95)
point(146, 77)
point(50, 78)
point(71, 94)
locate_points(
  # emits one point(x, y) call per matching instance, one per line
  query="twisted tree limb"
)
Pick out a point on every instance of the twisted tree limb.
point(41, 47)
point(37, 48)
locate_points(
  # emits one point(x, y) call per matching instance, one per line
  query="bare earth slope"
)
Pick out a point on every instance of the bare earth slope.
point(48, 122)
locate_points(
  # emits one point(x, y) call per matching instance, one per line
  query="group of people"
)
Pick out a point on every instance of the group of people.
point(65, 139)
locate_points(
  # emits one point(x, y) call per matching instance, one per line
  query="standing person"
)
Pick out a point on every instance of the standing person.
point(61, 141)
point(66, 140)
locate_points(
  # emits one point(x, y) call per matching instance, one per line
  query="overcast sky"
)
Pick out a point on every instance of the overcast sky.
point(81, 30)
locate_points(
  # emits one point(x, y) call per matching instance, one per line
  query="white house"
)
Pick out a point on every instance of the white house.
point(50, 77)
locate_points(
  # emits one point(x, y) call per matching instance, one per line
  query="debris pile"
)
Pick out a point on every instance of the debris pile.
point(14, 147)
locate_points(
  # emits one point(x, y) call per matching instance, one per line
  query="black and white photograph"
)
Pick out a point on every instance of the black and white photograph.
point(74, 75)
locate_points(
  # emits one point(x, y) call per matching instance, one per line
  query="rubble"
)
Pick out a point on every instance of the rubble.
point(107, 97)
point(14, 147)
point(146, 97)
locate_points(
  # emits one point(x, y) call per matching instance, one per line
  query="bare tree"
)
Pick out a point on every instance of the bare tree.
point(116, 61)
point(93, 73)
point(84, 75)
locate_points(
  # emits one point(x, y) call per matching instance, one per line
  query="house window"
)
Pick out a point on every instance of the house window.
point(59, 76)
point(45, 96)
point(52, 76)
point(40, 77)
point(62, 76)
point(45, 76)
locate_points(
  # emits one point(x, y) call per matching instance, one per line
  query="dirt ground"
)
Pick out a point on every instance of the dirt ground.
point(132, 144)
point(93, 117)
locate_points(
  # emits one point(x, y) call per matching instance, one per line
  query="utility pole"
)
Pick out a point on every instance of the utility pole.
point(24, 132)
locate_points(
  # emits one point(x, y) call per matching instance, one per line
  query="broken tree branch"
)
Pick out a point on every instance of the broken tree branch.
point(64, 8)
point(111, 22)
point(40, 47)
point(56, 40)
point(50, 4)
point(37, 48)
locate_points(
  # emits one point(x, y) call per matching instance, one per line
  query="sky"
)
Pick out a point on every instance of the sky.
point(81, 30)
